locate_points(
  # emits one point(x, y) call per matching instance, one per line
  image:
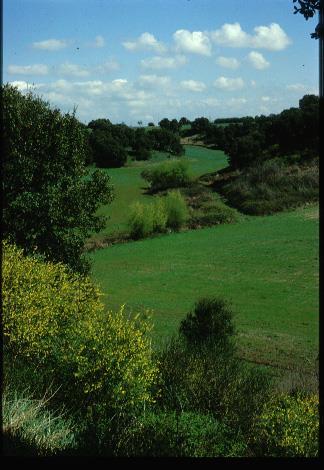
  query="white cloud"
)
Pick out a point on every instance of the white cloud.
point(36, 69)
point(20, 84)
point(236, 102)
point(153, 81)
point(145, 41)
point(228, 62)
point(257, 60)
point(73, 69)
point(271, 37)
point(265, 99)
point(296, 87)
point(158, 62)
point(196, 42)
point(192, 85)
point(253, 83)
point(51, 44)
point(229, 84)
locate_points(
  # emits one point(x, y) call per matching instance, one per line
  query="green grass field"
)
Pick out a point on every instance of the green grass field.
point(266, 266)
point(129, 185)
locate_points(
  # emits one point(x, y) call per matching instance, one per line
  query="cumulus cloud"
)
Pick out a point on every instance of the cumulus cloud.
point(196, 42)
point(271, 37)
point(153, 81)
point(228, 62)
point(20, 84)
point(229, 84)
point(73, 70)
point(158, 62)
point(257, 60)
point(145, 41)
point(193, 85)
point(265, 99)
point(36, 69)
point(51, 44)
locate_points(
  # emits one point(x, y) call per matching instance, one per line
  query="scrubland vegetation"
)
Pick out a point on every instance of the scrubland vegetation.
point(177, 345)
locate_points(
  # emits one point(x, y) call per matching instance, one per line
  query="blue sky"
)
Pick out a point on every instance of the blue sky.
point(131, 60)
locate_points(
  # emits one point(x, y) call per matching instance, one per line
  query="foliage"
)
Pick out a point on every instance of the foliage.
point(210, 322)
point(107, 151)
point(187, 434)
point(165, 140)
point(53, 320)
point(140, 220)
point(171, 174)
point(169, 211)
point(289, 427)
point(176, 209)
point(206, 379)
point(273, 186)
point(30, 428)
point(49, 200)
point(172, 126)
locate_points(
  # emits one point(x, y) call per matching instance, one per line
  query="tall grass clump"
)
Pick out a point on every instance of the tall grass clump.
point(57, 331)
point(176, 209)
point(30, 428)
point(165, 212)
point(140, 220)
point(167, 175)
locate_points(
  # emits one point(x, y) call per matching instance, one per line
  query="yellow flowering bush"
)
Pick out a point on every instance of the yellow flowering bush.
point(54, 319)
point(289, 426)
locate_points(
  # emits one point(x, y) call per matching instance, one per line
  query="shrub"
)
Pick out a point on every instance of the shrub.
point(107, 151)
point(289, 427)
point(29, 428)
point(54, 321)
point(176, 209)
point(201, 373)
point(273, 186)
point(210, 322)
point(160, 216)
point(170, 434)
point(171, 174)
point(140, 220)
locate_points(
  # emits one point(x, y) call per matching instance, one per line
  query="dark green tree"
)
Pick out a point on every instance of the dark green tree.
point(49, 199)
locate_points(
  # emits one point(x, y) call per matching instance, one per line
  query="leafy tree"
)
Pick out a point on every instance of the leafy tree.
point(183, 121)
point(107, 151)
point(102, 124)
point(49, 198)
point(165, 141)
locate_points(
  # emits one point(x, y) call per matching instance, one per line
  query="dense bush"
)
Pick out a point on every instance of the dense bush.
point(176, 209)
point(172, 174)
point(206, 376)
point(49, 199)
point(273, 186)
point(187, 434)
point(56, 327)
point(210, 323)
point(289, 427)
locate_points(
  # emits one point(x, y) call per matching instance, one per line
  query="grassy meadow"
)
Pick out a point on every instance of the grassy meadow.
point(130, 187)
point(266, 266)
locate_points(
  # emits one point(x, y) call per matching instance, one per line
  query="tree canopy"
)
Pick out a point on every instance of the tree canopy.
point(49, 198)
